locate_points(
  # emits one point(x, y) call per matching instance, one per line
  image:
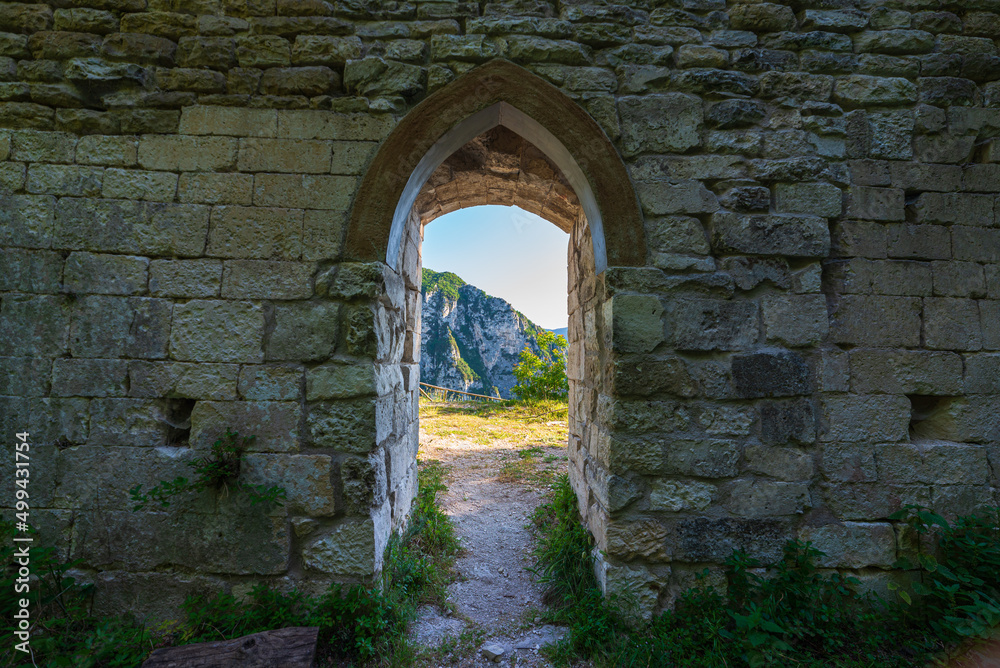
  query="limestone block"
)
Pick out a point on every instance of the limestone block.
point(712, 324)
point(34, 325)
point(982, 373)
point(217, 331)
point(29, 375)
point(304, 331)
point(848, 462)
point(375, 77)
point(647, 375)
point(304, 191)
point(989, 312)
point(707, 458)
point(152, 596)
point(364, 483)
point(749, 497)
point(340, 381)
point(642, 417)
point(853, 315)
point(787, 421)
point(853, 544)
point(307, 480)
point(274, 423)
point(763, 17)
point(675, 496)
point(68, 180)
point(314, 124)
point(30, 271)
point(182, 379)
point(924, 242)
point(215, 188)
point(187, 154)
point(253, 232)
point(795, 320)
point(726, 420)
point(139, 184)
point(770, 373)
point(958, 208)
point(325, 50)
point(134, 422)
point(818, 199)
point(857, 90)
point(970, 419)
point(905, 372)
point(27, 220)
point(349, 550)
point(891, 135)
point(270, 382)
point(937, 463)
point(629, 540)
point(105, 274)
point(916, 176)
point(875, 203)
point(864, 418)
point(956, 500)
point(635, 585)
point(952, 324)
point(958, 279)
point(233, 121)
point(636, 322)
point(660, 123)
point(703, 539)
point(659, 198)
point(110, 327)
point(787, 464)
point(763, 234)
point(346, 426)
point(185, 278)
point(263, 279)
point(975, 244)
point(308, 81)
point(32, 146)
point(89, 378)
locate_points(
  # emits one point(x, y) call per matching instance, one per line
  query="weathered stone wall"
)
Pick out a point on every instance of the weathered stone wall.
point(813, 341)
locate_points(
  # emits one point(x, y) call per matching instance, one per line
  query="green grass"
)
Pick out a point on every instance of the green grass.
point(542, 423)
point(358, 625)
point(791, 615)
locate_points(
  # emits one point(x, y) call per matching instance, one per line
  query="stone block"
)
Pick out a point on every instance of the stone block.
point(27, 220)
point(139, 185)
point(64, 180)
point(958, 208)
point(905, 372)
point(787, 422)
point(140, 423)
point(642, 417)
point(982, 373)
point(304, 331)
point(891, 135)
point(975, 244)
point(263, 279)
point(348, 551)
point(712, 324)
point(34, 325)
point(307, 480)
point(33, 146)
point(105, 274)
point(215, 188)
point(677, 234)
point(704, 539)
point(89, 378)
point(922, 242)
point(188, 279)
point(952, 324)
point(770, 373)
point(30, 271)
point(675, 496)
point(340, 381)
point(660, 123)
point(325, 50)
point(708, 458)
point(217, 331)
point(375, 77)
point(917, 176)
point(315, 124)
point(858, 90)
point(637, 539)
point(899, 318)
point(636, 322)
point(752, 498)
point(787, 464)
point(727, 420)
point(818, 199)
point(344, 426)
point(113, 327)
point(29, 375)
point(768, 234)
point(154, 380)
point(795, 320)
point(274, 423)
point(660, 198)
point(853, 544)
point(876, 203)
point(270, 382)
point(959, 279)
point(187, 154)
point(304, 191)
point(651, 375)
point(864, 418)
point(253, 232)
point(232, 121)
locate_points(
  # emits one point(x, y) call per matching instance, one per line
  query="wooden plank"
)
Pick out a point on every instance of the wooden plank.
point(468, 394)
point(293, 647)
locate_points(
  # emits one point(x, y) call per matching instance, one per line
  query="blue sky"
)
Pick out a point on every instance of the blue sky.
point(508, 253)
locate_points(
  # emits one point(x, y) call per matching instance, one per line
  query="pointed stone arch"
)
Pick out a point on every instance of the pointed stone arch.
point(497, 93)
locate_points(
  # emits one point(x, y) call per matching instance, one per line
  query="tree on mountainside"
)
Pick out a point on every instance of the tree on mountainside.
point(542, 376)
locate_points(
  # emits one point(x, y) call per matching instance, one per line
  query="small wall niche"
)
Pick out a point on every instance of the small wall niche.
point(930, 418)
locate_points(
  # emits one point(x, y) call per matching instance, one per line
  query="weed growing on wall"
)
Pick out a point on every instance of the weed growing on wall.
point(358, 625)
point(790, 614)
point(217, 471)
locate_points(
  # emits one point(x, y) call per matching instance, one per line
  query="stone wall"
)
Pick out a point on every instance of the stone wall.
point(809, 338)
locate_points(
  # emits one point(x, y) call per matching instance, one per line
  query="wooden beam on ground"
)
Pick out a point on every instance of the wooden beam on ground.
point(293, 647)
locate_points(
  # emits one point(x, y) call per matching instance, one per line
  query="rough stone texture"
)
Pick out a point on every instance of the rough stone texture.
point(801, 336)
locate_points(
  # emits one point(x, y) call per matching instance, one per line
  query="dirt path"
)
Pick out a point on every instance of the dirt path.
point(494, 485)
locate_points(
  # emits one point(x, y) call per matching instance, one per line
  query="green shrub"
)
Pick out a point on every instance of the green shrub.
point(542, 376)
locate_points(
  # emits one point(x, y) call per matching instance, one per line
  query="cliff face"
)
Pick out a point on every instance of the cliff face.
point(470, 341)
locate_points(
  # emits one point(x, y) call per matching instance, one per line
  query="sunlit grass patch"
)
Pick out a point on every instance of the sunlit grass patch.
point(542, 423)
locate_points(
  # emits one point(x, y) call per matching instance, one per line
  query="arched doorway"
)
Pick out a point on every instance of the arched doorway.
point(498, 135)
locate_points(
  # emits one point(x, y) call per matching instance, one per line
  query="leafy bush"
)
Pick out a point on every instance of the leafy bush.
point(542, 376)
point(790, 614)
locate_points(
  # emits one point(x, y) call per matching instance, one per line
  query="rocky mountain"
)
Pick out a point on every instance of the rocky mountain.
point(470, 341)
